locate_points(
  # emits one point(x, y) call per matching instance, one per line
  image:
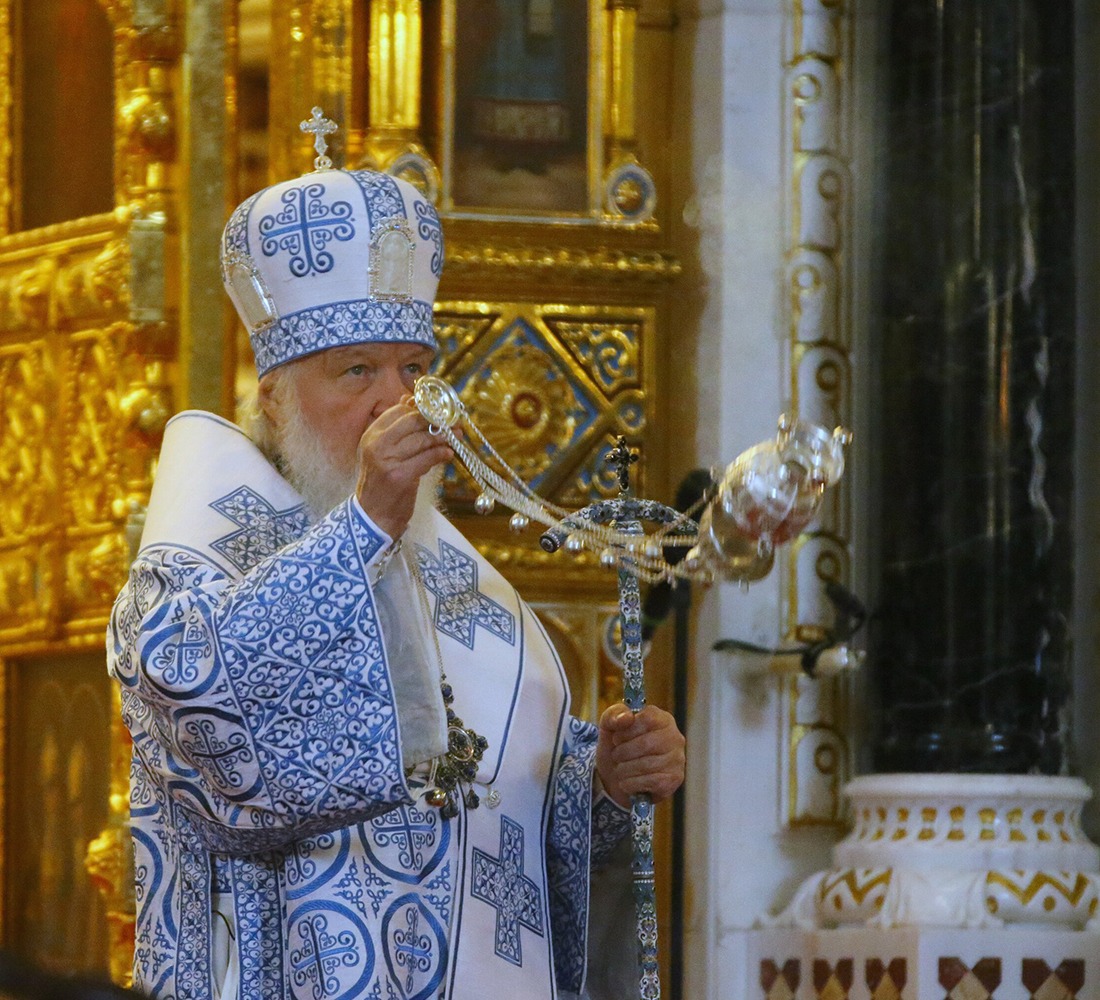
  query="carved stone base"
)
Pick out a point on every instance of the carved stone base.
point(952, 850)
point(949, 887)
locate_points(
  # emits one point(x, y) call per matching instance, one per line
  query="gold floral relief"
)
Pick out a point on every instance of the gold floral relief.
point(28, 480)
point(524, 406)
point(90, 475)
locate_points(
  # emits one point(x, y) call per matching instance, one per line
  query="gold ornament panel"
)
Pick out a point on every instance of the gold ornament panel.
point(551, 386)
point(74, 447)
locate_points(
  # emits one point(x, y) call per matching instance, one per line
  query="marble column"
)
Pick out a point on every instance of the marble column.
point(974, 401)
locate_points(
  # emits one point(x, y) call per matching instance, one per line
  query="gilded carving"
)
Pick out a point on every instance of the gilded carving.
point(94, 285)
point(18, 572)
point(27, 475)
point(70, 273)
point(607, 351)
point(550, 385)
point(95, 569)
point(90, 473)
point(458, 333)
point(567, 264)
point(525, 407)
point(109, 860)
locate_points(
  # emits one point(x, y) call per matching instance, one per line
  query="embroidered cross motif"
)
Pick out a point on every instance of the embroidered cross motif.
point(263, 529)
point(461, 607)
point(204, 744)
point(187, 656)
point(321, 956)
point(409, 830)
point(412, 951)
point(502, 884)
point(304, 228)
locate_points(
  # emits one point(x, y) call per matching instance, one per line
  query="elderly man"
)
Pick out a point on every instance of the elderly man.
point(354, 770)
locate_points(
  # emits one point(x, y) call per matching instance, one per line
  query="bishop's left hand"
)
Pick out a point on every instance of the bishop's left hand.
point(639, 753)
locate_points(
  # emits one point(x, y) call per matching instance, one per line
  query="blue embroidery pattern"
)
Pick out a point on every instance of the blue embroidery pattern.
point(429, 228)
point(263, 529)
point(236, 230)
point(382, 196)
point(502, 884)
point(412, 949)
point(409, 831)
point(327, 939)
point(460, 607)
point(296, 719)
point(262, 714)
point(305, 227)
point(415, 945)
point(356, 321)
point(567, 852)
point(259, 926)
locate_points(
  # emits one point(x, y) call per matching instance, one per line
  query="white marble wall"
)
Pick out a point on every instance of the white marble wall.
point(733, 229)
point(731, 142)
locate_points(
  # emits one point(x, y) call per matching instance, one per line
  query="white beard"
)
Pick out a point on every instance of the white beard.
point(324, 482)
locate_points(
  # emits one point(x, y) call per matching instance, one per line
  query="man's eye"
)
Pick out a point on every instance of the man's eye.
point(356, 370)
point(414, 368)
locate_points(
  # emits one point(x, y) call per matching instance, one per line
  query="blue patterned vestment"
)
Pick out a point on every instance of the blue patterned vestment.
point(268, 766)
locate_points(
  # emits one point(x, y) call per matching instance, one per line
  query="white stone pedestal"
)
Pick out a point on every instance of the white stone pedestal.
point(964, 887)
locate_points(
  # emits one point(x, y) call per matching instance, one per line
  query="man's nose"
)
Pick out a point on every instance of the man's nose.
point(391, 387)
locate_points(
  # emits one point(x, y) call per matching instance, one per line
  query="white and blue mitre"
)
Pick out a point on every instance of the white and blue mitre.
point(332, 258)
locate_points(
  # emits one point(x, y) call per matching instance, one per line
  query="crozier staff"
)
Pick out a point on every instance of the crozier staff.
point(355, 774)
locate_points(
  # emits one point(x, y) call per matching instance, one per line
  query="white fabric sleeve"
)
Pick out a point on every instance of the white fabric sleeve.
point(414, 663)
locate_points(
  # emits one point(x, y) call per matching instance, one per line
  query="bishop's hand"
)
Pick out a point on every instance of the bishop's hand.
point(394, 452)
point(639, 753)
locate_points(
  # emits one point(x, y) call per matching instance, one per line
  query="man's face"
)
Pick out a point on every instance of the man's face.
point(343, 390)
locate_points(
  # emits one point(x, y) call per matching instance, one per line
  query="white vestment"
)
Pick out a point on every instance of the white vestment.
point(279, 733)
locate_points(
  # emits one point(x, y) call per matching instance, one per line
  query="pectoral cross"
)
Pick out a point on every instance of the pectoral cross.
point(319, 126)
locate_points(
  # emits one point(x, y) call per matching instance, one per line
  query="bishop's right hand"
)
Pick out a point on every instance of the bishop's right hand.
point(394, 452)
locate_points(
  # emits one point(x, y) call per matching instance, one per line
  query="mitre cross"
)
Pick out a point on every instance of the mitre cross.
point(319, 126)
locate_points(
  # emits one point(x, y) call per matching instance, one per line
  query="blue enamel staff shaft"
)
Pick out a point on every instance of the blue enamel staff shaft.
point(626, 515)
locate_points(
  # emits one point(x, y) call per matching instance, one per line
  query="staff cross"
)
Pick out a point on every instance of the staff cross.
point(319, 126)
point(621, 458)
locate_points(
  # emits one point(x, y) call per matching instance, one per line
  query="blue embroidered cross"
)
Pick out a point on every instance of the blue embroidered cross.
point(205, 745)
point(322, 955)
point(404, 828)
point(502, 884)
point(263, 529)
point(305, 227)
point(412, 950)
point(188, 654)
point(461, 607)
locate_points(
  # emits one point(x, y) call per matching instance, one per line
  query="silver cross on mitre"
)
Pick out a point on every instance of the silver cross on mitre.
point(319, 126)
